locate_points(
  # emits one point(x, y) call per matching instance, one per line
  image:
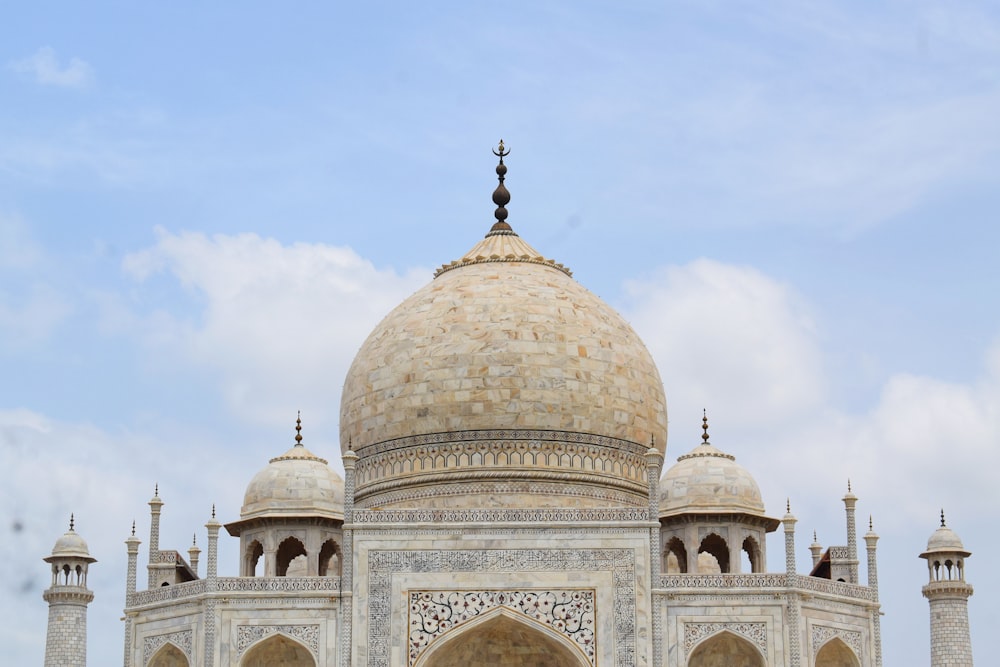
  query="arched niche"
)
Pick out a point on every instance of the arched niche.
point(502, 638)
point(255, 551)
point(676, 557)
point(716, 546)
point(289, 549)
point(753, 554)
point(278, 649)
point(329, 559)
point(835, 653)
point(726, 649)
point(169, 656)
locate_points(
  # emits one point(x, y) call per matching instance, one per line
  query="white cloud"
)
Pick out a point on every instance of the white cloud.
point(737, 342)
point(278, 324)
point(44, 66)
point(729, 339)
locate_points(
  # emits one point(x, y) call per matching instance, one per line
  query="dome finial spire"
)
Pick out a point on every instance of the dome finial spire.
point(501, 197)
point(704, 426)
point(72, 520)
point(298, 429)
point(942, 517)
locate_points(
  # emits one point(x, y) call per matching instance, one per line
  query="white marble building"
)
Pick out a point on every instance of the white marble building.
point(503, 433)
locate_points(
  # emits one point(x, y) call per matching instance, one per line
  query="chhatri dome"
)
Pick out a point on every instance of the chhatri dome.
point(944, 540)
point(706, 480)
point(502, 382)
point(70, 545)
point(297, 483)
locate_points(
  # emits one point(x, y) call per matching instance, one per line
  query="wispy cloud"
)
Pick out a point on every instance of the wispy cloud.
point(280, 323)
point(736, 341)
point(44, 67)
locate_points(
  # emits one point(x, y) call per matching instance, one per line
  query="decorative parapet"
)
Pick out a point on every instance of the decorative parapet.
point(197, 589)
point(840, 553)
point(172, 557)
point(498, 515)
point(817, 585)
point(279, 584)
point(188, 589)
point(759, 582)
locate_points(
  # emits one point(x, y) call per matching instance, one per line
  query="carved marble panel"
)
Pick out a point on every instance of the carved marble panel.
point(569, 612)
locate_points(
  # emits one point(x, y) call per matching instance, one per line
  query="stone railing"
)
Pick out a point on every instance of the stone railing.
point(193, 589)
point(829, 587)
point(770, 582)
point(279, 584)
point(499, 515)
point(187, 589)
point(675, 581)
point(840, 553)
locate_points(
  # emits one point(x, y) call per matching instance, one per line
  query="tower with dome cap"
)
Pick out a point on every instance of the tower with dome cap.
point(68, 597)
point(948, 593)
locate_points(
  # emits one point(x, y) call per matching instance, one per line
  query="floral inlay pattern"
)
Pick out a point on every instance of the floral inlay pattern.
point(569, 612)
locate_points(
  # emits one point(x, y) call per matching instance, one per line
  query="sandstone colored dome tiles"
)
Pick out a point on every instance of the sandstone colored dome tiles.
point(502, 345)
point(296, 483)
point(709, 480)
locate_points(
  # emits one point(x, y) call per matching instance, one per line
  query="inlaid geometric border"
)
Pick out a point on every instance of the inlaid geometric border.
point(756, 633)
point(570, 612)
point(247, 635)
point(182, 640)
point(821, 634)
point(382, 565)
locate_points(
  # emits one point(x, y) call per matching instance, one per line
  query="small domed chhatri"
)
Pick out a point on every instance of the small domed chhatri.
point(710, 511)
point(502, 382)
point(292, 516)
point(71, 545)
point(944, 539)
point(708, 480)
point(296, 483)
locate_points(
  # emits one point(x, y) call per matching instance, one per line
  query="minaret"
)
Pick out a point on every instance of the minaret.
point(193, 553)
point(794, 602)
point(132, 548)
point(789, 521)
point(68, 597)
point(871, 539)
point(816, 549)
point(850, 501)
point(155, 506)
point(948, 595)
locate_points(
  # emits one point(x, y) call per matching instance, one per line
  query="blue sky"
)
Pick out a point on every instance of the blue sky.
point(204, 210)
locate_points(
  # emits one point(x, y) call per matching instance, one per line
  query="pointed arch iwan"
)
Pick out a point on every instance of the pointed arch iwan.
point(499, 630)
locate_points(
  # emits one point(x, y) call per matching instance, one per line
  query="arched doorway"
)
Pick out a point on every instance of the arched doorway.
point(169, 656)
point(726, 650)
point(278, 651)
point(676, 560)
point(835, 653)
point(290, 549)
point(715, 546)
point(501, 639)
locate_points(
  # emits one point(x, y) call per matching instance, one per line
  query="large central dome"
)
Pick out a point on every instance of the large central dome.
point(503, 382)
